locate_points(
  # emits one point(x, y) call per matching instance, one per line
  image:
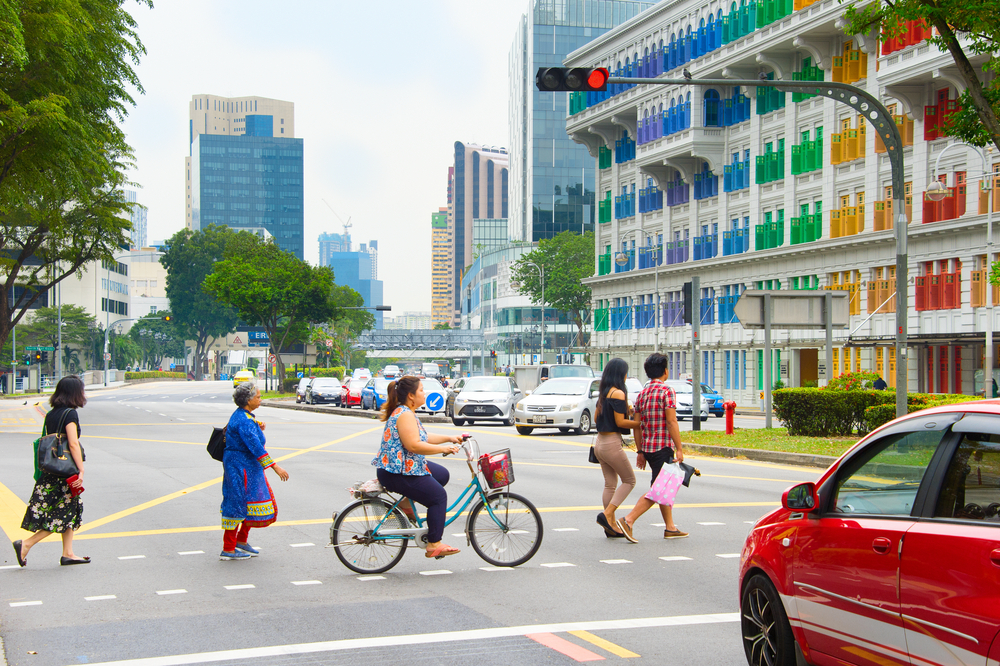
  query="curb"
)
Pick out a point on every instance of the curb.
point(780, 457)
point(282, 403)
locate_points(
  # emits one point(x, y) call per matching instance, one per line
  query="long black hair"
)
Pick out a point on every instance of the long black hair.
point(613, 376)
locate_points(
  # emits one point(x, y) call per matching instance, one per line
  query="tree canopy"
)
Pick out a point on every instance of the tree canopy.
point(272, 288)
point(199, 316)
point(978, 23)
point(566, 258)
point(66, 69)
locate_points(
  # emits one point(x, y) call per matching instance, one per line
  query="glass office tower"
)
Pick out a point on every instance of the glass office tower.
point(551, 177)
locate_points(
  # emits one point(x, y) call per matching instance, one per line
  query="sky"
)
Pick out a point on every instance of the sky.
point(382, 91)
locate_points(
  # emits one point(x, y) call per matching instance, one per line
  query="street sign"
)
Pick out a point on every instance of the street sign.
point(329, 342)
point(107, 357)
point(435, 402)
point(793, 309)
point(821, 368)
point(172, 366)
point(761, 395)
point(40, 348)
point(271, 358)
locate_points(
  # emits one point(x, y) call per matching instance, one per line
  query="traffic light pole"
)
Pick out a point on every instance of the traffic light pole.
point(695, 354)
point(878, 116)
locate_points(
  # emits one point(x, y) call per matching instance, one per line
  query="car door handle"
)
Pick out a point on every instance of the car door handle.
point(881, 545)
point(995, 557)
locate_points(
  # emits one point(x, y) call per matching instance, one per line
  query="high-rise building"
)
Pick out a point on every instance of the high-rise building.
point(244, 168)
point(408, 321)
point(551, 179)
point(358, 270)
point(330, 243)
point(479, 190)
point(442, 258)
point(138, 216)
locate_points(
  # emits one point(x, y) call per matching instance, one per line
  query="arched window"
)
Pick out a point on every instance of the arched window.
point(712, 108)
point(689, 98)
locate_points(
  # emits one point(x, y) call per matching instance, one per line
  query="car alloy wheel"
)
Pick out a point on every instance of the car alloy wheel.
point(767, 636)
point(584, 423)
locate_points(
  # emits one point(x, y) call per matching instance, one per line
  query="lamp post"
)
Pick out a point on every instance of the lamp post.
point(541, 277)
point(936, 191)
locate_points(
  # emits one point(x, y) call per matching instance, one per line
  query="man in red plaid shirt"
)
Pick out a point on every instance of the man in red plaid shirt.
point(659, 441)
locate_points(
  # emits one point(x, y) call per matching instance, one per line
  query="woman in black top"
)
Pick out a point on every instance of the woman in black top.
point(52, 507)
point(612, 418)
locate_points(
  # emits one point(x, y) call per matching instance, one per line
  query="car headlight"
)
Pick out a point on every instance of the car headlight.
point(517, 406)
point(382, 395)
point(568, 407)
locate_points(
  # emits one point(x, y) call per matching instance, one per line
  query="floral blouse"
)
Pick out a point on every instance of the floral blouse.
point(393, 456)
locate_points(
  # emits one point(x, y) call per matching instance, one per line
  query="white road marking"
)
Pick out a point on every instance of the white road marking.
point(307, 582)
point(658, 524)
point(239, 587)
point(15, 604)
point(301, 545)
point(180, 419)
point(435, 572)
point(553, 565)
point(11, 566)
point(371, 577)
point(565, 529)
point(496, 568)
point(132, 557)
point(478, 635)
point(458, 534)
point(166, 592)
point(711, 524)
point(191, 552)
point(617, 561)
point(101, 597)
point(750, 522)
point(727, 555)
point(162, 414)
point(674, 558)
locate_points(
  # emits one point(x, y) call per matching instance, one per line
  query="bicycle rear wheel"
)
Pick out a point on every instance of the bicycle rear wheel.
point(353, 536)
point(511, 535)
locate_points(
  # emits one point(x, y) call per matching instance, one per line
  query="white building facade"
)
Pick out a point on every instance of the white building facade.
point(753, 188)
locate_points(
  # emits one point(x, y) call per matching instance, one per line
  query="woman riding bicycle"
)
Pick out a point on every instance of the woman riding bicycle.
point(401, 467)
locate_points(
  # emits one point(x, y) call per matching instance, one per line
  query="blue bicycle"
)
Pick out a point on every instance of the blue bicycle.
point(370, 534)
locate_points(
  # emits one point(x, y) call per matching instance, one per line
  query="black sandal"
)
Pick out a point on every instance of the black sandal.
point(609, 531)
point(17, 550)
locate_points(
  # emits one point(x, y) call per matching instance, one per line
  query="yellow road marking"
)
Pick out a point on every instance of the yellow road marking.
point(11, 513)
point(327, 521)
point(604, 645)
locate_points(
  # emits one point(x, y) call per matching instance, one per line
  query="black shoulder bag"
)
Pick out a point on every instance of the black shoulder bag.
point(217, 443)
point(53, 452)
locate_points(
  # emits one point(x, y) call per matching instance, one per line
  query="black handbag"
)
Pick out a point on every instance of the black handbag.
point(53, 453)
point(593, 457)
point(217, 443)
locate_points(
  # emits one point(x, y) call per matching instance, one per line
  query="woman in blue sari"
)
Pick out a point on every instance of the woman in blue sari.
point(247, 500)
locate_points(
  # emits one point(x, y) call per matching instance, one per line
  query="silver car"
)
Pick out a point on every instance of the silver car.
point(685, 396)
point(566, 403)
point(486, 399)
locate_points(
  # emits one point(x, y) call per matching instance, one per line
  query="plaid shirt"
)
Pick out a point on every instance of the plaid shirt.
point(651, 405)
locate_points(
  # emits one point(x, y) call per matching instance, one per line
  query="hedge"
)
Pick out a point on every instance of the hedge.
point(154, 374)
point(814, 412)
point(336, 371)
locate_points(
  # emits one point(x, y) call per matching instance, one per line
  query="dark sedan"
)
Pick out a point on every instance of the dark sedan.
point(323, 390)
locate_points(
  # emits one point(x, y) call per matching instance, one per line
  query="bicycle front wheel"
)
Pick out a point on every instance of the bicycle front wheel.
point(511, 535)
point(356, 542)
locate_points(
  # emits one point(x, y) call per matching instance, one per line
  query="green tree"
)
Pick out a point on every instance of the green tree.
point(199, 316)
point(272, 288)
point(442, 326)
point(157, 339)
point(65, 75)
point(566, 258)
point(43, 329)
point(978, 23)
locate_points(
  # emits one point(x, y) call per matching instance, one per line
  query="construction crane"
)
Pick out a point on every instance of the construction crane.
point(347, 225)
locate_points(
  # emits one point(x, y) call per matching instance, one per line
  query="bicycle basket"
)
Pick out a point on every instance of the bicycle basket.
point(498, 468)
point(365, 489)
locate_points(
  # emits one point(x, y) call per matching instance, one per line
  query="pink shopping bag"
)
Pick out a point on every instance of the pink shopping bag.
point(664, 488)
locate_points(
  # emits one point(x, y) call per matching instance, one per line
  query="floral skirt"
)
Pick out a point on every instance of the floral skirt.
point(52, 507)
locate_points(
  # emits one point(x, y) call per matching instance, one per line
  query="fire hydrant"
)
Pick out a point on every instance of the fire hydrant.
point(730, 407)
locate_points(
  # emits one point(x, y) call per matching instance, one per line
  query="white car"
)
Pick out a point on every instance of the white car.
point(300, 390)
point(566, 403)
point(390, 371)
point(685, 396)
point(486, 399)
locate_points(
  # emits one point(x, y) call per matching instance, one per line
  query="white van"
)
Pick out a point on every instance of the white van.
point(390, 371)
point(430, 369)
point(361, 373)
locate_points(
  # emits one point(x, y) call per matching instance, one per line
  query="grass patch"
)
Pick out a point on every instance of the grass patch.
point(771, 439)
point(275, 394)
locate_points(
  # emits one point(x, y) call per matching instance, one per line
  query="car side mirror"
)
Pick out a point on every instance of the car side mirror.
point(595, 394)
point(800, 498)
point(527, 393)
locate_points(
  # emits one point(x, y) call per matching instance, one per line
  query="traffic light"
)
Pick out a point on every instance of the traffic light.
point(38, 357)
point(493, 353)
point(688, 303)
point(45, 357)
point(167, 318)
point(27, 359)
point(573, 79)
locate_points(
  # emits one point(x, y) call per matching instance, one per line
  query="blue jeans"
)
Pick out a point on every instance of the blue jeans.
point(427, 490)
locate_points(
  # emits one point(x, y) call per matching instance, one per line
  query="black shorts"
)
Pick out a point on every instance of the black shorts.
point(655, 460)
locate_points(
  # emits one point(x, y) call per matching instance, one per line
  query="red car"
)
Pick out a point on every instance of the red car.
point(891, 557)
point(351, 396)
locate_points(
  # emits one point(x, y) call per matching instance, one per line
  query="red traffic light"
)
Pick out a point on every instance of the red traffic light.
point(572, 79)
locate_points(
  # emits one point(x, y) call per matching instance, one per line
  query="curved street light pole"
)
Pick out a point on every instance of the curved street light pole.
point(541, 277)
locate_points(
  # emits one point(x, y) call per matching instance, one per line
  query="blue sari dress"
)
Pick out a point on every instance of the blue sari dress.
point(246, 495)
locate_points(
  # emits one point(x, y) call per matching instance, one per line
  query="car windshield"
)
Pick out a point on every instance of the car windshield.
point(633, 386)
point(705, 388)
point(304, 382)
point(681, 387)
point(564, 387)
point(320, 382)
point(487, 384)
point(381, 384)
point(432, 385)
point(570, 371)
